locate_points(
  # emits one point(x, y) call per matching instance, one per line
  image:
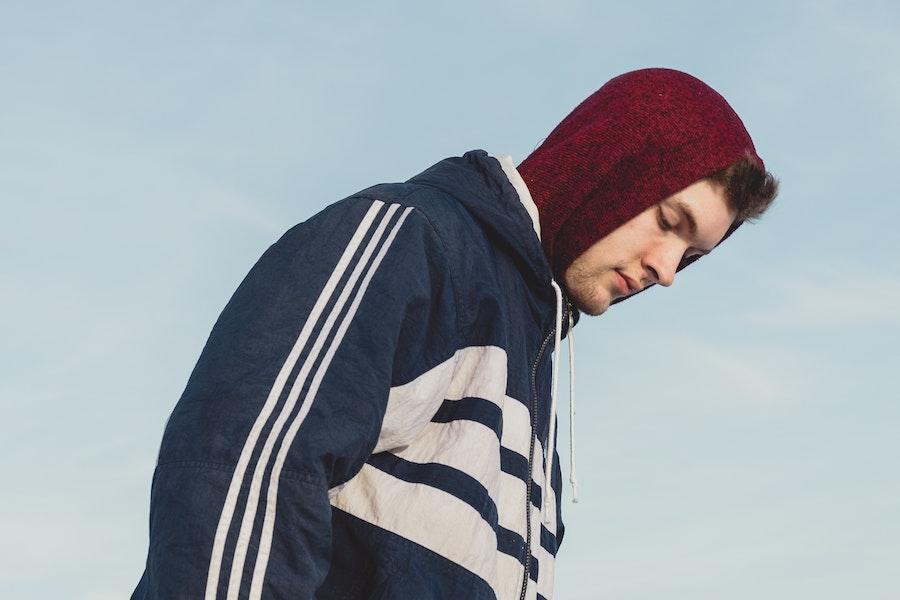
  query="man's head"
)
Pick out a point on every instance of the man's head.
point(652, 246)
point(650, 149)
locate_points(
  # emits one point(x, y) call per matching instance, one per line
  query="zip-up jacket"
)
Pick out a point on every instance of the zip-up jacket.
point(371, 414)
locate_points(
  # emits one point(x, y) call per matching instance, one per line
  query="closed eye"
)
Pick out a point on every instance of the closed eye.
point(664, 223)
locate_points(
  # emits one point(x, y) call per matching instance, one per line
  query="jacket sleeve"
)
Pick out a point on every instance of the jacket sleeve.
point(288, 398)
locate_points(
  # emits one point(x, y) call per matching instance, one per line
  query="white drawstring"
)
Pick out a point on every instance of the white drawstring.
point(551, 437)
point(572, 479)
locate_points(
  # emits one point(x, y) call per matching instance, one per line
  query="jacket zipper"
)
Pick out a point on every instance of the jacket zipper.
point(548, 489)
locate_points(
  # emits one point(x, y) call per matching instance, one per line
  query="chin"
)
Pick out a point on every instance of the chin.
point(596, 311)
point(592, 306)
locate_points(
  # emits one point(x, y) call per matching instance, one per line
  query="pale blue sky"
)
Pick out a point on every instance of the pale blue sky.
point(738, 431)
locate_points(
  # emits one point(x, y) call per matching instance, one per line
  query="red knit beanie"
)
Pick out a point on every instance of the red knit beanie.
point(640, 138)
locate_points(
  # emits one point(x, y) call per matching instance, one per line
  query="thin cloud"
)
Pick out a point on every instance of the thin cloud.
point(837, 296)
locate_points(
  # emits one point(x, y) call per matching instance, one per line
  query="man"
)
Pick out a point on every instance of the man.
point(373, 415)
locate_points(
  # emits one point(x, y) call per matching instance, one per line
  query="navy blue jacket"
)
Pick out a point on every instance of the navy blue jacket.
point(370, 415)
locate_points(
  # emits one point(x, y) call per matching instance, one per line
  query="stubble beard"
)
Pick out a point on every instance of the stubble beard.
point(587, 296)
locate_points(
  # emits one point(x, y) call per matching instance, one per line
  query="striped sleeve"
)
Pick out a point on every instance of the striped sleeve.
point(288, 398)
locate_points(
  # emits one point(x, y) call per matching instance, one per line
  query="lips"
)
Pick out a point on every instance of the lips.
point(627, 285)
point(622, 284)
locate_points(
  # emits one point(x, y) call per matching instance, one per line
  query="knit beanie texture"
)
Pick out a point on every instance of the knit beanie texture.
point(640, 138)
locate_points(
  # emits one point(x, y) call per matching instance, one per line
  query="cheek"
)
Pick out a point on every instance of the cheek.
point(581, 273)
point(595, 261)
point(587, 286)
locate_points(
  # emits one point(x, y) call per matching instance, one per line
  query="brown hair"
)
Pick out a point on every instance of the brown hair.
point(749, 188)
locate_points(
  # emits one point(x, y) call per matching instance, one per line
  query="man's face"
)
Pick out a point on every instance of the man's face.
point(648, 248)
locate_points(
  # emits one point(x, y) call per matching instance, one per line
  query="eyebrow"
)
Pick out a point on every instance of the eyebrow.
point(688, 215)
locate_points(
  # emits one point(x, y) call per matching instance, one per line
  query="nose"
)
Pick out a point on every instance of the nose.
point(662, 263)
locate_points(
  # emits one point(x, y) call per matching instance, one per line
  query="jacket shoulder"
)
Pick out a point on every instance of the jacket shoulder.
point(441, 210)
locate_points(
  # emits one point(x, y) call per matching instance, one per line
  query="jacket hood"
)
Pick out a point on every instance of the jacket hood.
point(477, 181)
